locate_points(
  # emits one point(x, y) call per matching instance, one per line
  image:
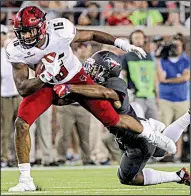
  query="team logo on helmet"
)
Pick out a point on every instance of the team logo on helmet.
point(111, 63)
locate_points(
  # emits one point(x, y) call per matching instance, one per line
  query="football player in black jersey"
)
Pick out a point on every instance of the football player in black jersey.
point(104, 70)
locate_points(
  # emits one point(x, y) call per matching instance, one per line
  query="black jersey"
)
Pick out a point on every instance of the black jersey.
point(123, 136)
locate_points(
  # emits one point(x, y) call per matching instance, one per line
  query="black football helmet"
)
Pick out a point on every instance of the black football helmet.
point(103, 65)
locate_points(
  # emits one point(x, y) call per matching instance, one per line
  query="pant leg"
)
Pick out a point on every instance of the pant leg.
point(98, 152)
point(111, 145)
point(32, 106)
point(180, 108)
point(142, 103)
point(75, 143)
point(151, 109)
point(101, 109)
point(166, 112)
point(138, 109)
point(45, 136)
point(83, 127)
point(66, 119)
point(133, 161)
point(6, 119)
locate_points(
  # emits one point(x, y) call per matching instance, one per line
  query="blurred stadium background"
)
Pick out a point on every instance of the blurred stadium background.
point(53, 143)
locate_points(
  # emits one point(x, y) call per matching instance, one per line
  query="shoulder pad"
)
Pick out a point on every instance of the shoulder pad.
point(63, 28)
point(117, 84)
point(13, 52)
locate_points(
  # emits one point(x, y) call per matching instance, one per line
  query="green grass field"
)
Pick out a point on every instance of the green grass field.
point(88, 181)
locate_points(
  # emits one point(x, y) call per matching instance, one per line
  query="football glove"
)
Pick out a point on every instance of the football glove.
point(51, 69)
point(62, 90)
point(124, 45)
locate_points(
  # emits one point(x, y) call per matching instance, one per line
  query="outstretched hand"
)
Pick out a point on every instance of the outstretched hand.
point(124, 45)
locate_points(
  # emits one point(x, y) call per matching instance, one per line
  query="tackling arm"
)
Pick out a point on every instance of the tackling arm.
point(95, 91)
point(24, 85)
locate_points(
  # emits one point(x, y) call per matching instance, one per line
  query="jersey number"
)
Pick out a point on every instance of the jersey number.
point(58, 25)
point(63, 73)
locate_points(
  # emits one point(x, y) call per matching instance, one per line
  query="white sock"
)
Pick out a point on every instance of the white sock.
point(25, 169)
point(175, 130)
point(152, 176)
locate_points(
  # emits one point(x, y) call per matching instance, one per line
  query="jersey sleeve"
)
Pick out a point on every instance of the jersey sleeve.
point(64, 28)
point(118, 85)
point(13, 54)
point(187, 63)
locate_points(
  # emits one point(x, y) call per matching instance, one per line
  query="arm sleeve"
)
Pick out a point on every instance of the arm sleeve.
point(187, 64)
point(13, 55)
point(118, 85)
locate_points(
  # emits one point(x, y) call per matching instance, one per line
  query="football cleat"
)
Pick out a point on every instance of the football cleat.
point(157, 138)
point(185, 176)
point(25, 184)
point(161, 141)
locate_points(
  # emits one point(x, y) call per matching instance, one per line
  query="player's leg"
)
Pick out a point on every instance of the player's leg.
point(174, 132)
point(148, 176)
point(132, 171)
point(33, 129)
point(132, 163)
point(29, 110)
point(152, 177)
point(104, 111)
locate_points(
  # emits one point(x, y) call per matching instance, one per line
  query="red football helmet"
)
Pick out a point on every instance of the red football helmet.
point(29, 26)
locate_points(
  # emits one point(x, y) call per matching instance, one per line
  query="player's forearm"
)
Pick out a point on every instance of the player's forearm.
point(95, 91)
point(29, 86)
point(98, 36)
point(176, 80)
point(128, 122)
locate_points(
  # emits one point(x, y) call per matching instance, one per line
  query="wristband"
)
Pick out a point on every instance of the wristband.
point(122, 44)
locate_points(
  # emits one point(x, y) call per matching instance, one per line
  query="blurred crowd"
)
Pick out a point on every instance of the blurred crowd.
point(146, 13)
point(70, 134)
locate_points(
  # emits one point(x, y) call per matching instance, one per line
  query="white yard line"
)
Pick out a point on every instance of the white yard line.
point(97, 167)
point(77, 191)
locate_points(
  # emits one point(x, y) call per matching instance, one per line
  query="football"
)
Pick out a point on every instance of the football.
point(40, 66)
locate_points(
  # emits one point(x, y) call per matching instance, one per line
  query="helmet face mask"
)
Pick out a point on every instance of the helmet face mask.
point(29, 26)
point(97, 72)
point(29, 41)
point(102, 65)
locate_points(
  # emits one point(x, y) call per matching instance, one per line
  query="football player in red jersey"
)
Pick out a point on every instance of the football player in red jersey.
point(35, 38)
